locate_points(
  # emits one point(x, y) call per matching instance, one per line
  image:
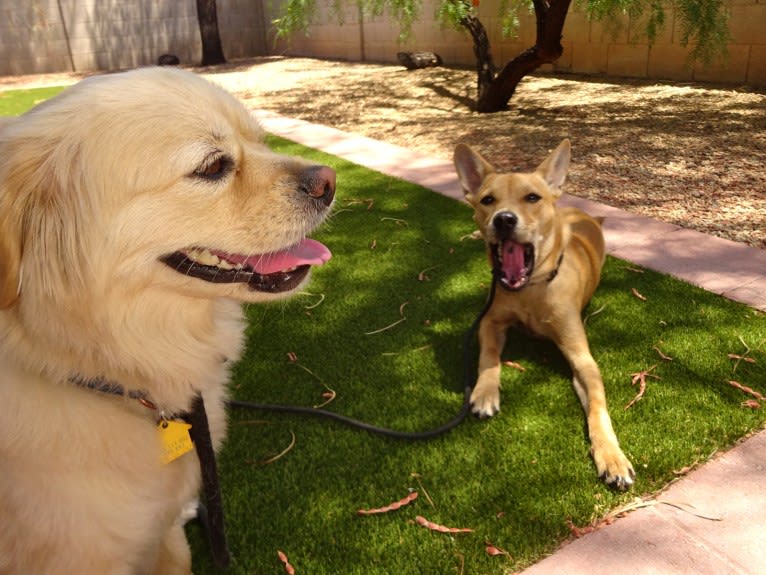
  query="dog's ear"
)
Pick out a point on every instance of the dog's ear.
point(471, 168)
point(554, 168)
point(10, 231)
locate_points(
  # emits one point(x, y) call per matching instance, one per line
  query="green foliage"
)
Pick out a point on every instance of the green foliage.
point(509, 16)
point(451, 14)
point(702, 24)
point(297, 16)
point(405, 12)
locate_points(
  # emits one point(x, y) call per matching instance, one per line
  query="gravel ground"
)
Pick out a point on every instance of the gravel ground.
point(690, 154)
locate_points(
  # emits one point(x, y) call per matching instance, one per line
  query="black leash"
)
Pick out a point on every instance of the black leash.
point(417, 435)
point(211, 514)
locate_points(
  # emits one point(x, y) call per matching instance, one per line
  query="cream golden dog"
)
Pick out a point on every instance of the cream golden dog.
point(549, 260)
point(137, 212)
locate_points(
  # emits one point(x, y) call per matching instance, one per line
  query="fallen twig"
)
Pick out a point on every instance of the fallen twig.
point(391, 506)
point(329, 396)
point(416, 476)
point(422, 275)
point(593, 314)
point(318, 303)
point(329, 393)
point(389, 326)
point(636, 293)
point(421, 348)
point(398, 221)
point(420, 520)
point(744, 357)
point(474, 235)
point(637, 503)
point(279, 455)
point(662, 355)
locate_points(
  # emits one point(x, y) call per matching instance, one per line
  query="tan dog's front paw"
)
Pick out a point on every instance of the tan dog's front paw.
point(614, 468)
point(485, 400)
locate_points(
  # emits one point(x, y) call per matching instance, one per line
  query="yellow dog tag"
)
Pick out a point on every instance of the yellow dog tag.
point(174, 438)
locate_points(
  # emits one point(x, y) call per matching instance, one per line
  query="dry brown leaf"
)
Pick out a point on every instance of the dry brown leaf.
point(514, 365)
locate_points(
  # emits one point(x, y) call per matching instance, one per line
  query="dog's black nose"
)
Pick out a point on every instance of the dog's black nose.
point(504, 222)
point(319, 183)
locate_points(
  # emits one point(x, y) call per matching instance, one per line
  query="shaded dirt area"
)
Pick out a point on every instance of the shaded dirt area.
point(692, 155)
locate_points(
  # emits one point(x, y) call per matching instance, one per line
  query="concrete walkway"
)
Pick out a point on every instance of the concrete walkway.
point(713, 520)
point(733, 270)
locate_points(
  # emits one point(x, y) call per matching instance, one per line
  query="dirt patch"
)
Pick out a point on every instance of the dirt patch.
point(692, 155)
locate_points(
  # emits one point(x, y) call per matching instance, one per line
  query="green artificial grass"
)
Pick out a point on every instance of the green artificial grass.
point(14, 102)
point(382, 326)
point(401, 254)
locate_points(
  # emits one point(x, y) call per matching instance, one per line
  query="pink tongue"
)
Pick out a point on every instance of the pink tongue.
point(513, 261)
point(307, 252)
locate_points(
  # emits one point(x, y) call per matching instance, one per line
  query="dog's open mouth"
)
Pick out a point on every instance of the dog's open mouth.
point(272, 272)
point(515, 261)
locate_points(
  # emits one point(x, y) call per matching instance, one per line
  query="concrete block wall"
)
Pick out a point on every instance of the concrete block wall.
point(589, 47)
point(38, 36)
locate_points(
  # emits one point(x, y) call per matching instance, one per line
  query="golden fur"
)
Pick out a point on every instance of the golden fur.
point(546, 290)
point(96, 186)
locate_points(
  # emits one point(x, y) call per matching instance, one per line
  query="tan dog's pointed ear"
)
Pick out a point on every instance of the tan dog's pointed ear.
point(10, 251)
point(554, 168)
point(471, 168)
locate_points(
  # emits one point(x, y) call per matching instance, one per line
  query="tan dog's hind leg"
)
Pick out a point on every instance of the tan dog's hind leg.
point(485, 399)
point(612, 465)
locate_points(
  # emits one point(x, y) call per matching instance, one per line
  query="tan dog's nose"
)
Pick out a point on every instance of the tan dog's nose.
point(319, 183)
point(504, 224)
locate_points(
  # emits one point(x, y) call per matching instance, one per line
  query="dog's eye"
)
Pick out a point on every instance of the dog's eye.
point(214, 169)
point(532, 198)
point(487, 200)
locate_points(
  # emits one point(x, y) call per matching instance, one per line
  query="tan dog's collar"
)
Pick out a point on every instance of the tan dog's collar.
point(555, 271)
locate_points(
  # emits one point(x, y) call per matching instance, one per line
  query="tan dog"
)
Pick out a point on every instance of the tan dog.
point(137, 212)
point(550, 261)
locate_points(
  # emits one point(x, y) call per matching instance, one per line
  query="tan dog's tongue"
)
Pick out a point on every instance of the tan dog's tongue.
point(513, 261)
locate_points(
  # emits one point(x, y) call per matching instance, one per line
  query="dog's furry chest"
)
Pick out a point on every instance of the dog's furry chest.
point(526, 311)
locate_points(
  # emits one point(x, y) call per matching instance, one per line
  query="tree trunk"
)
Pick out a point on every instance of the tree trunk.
point(207, 16)
point(495, 94)
point(485, 66)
